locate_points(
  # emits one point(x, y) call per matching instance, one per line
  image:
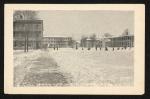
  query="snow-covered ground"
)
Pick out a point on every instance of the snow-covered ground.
point(81, 67)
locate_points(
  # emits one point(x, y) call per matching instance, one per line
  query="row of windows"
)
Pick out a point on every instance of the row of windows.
point(123, 38)
point(118, 39)
point(58, 45)
point(57, 39)
point(27, 27)
point(21, 43)
point(120, 44)
point(19, 35)
point(56, 42)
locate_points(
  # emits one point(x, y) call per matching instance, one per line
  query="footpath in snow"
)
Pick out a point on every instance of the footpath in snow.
point(74, 67)
point(89, 67)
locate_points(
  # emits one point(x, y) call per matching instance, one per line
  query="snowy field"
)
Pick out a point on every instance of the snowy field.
point(71, 67)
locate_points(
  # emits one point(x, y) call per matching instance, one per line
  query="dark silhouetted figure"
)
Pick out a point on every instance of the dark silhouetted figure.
point(96, 47)
point(106, 49)
point(54, 47)
point(82, 48)
point(125, 47)
point(100, 48)
point(113, 49)
point(76, 46)
point(57, 47)
point(118, 48)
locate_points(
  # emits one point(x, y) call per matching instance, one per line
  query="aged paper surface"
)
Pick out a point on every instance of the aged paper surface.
point(82, 67)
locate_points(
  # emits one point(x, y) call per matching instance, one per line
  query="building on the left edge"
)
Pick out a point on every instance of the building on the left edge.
point(27, 32)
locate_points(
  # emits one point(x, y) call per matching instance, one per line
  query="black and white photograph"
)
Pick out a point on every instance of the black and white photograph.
point(74, 48)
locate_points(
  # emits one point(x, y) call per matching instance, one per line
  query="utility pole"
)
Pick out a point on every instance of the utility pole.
point(76, 46)
point(27, 42)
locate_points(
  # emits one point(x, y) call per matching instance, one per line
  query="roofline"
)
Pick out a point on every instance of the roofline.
point(28, 21)
point(57, 37)
point(118, 36)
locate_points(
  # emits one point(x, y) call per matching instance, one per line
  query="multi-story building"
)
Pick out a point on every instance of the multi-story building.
point(27, 33)
point(119, 41)
point(88, 42)
point(61, 42)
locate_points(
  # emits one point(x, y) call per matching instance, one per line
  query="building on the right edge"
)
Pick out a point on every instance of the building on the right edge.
point(118, 41)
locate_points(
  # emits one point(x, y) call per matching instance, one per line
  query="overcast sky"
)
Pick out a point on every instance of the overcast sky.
point(78, 23)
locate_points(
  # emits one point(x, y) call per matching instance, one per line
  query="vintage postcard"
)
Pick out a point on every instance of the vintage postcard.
point(92, 49)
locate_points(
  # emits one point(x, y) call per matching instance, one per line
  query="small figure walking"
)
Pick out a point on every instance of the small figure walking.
point(106, 49)
point(57, 47)
point(125, 47)
point(54, 47)
point(113, 48)
point(118, 48)
point(76, 46)
point(96, 47)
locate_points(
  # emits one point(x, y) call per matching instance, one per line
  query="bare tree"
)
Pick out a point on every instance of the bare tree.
point(25, 15)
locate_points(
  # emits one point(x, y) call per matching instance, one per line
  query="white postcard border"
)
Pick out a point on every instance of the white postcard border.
point(139, 50)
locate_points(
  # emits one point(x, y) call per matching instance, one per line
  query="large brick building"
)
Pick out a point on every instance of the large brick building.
point(61, 42)
point(118, 41)
point(27, 33)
